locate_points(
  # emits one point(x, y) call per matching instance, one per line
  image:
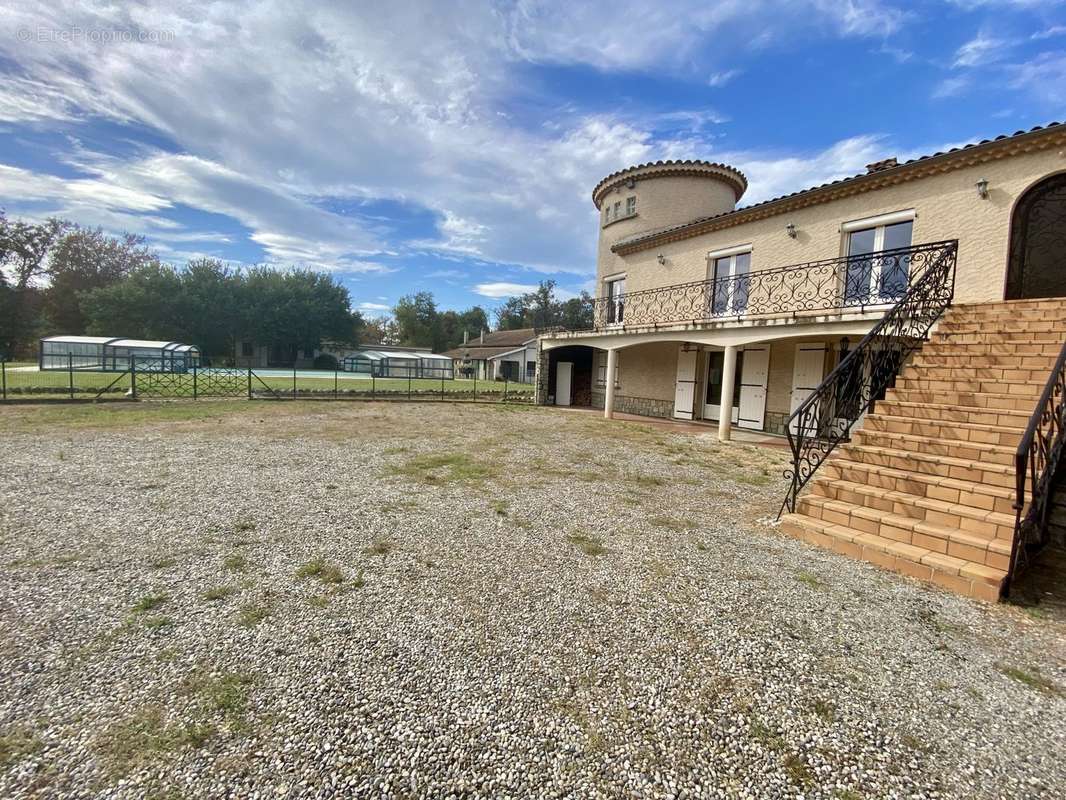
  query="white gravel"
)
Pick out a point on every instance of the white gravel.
point(468, 652)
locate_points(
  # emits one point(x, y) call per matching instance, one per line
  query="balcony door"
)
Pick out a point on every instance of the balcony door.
point(729, 290)
point(749, 387)
point(616, 290)
point(871, 278)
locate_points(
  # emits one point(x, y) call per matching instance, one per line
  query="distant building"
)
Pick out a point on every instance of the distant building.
point(383, 361)
point(499, 355)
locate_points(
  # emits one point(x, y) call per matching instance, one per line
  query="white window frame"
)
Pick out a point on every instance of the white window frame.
point(731, 253)
point(877, 224)
point(608, 281)
point(601, 369)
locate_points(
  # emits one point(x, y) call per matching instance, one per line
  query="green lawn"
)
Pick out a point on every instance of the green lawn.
point(57, 384)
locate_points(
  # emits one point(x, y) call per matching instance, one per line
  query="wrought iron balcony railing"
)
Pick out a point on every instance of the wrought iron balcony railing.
point(852, 283)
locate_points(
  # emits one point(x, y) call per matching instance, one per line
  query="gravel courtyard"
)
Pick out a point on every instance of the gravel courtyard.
point(351, 600)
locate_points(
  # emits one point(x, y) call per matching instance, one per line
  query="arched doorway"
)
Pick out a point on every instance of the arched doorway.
point(1037, 266)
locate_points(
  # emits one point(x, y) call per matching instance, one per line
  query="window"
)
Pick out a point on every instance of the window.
point(246, 349)
point(874, 278)
point(615, 294)
point(613, 212)
point(715, 375)
point(531, 369)
point(730, 286)
point(601, 369)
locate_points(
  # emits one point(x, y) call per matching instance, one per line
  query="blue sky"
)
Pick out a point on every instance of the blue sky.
point(453, 146)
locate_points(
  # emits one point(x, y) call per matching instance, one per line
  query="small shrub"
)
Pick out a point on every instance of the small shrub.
point(235, 562)
point(588, 545)
point(16, 744)
point(252, 614)
point(317, 568)
point(325, 361)
point(219, 592)
point(1033, 679)
point(148, 602)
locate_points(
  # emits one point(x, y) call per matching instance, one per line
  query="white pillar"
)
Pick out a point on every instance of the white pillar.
point(608, 403)
point(725, 415)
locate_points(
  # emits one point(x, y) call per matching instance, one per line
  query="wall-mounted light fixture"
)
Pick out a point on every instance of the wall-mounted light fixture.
point(790, 229)
point(661, 259)
point(982, 188)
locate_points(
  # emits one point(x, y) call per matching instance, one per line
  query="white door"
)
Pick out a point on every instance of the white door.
point(712, 408)
point(564, 370)
point(753, 377)
point(685, 388)
point(806, 373)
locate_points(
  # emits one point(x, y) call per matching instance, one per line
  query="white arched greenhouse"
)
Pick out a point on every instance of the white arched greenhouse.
point(110, 354)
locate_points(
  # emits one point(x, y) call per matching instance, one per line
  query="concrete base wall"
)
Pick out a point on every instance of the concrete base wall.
point(644, 406)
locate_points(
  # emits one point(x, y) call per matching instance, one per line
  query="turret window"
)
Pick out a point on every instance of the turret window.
point(615, 212)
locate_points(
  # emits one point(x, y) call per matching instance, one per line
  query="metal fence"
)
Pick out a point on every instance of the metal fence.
point(146, 379)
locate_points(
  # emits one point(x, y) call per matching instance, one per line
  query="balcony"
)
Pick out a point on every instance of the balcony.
point(852, 284)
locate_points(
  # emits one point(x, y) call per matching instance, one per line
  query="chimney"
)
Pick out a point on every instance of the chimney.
point(878, 166)
point(466, 336)
point(483, 336)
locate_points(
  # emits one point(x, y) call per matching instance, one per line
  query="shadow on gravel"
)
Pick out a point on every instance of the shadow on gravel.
point(1041, 589)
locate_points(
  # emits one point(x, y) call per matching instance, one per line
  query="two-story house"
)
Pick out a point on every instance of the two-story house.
point(706, 310)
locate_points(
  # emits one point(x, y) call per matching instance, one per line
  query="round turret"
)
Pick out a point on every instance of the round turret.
point(652, 196)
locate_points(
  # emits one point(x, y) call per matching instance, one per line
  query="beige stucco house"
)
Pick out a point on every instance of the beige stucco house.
point(685, 285)
point(904, 328)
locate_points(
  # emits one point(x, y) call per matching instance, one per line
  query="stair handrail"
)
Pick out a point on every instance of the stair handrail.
point(1035, 462)
point(848, 392)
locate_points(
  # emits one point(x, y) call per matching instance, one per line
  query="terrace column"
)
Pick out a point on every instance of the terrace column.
point(725, 403)
point(608, 403)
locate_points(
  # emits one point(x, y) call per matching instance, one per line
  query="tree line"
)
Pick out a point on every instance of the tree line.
point(59, 278)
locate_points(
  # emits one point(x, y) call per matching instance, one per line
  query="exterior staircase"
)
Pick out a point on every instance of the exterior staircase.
point(926, 487)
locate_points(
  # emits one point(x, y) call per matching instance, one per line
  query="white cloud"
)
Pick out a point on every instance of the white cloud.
point(273, 106)
point(1054, 30)
point(503, 289)
point(950, 87)
point(373, 307)
point(980, 50)
point(717, 79)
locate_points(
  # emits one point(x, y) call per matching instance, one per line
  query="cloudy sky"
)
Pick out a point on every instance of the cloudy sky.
point(453, 146)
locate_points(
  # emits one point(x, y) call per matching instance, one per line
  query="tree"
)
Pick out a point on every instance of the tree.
point(380, 330)
point(417, 321)
point(24, 250)
point(297, 308)
point(454, 324)
point(541, 309)
point(82, 260)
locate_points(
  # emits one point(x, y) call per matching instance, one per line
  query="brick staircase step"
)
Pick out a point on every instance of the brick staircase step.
point(907, 530)
point(1028, 389)
point(1002, 374)
point(925, 463)
point(943, 429)
point(954, 516)
point(950, 490)
point(1031, 348)
point(942, 412)
point(1039, 363)
point(985, 400)
point(957, 574)
point(931, 445)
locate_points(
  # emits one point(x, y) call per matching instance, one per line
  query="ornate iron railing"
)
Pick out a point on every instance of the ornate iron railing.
point(827, 417)
point(1035, 464)
point(852, 283)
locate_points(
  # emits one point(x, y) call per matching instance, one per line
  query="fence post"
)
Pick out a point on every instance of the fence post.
point(475, 383)
point(373, 384)
point(194, 387)
point(70, 373)
point(3, 379)
point(336, 375)
point(293, 380)
point(249, 383)
point(504, 388)
point(442, 385)
point(408, 384)
point(133, 377)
